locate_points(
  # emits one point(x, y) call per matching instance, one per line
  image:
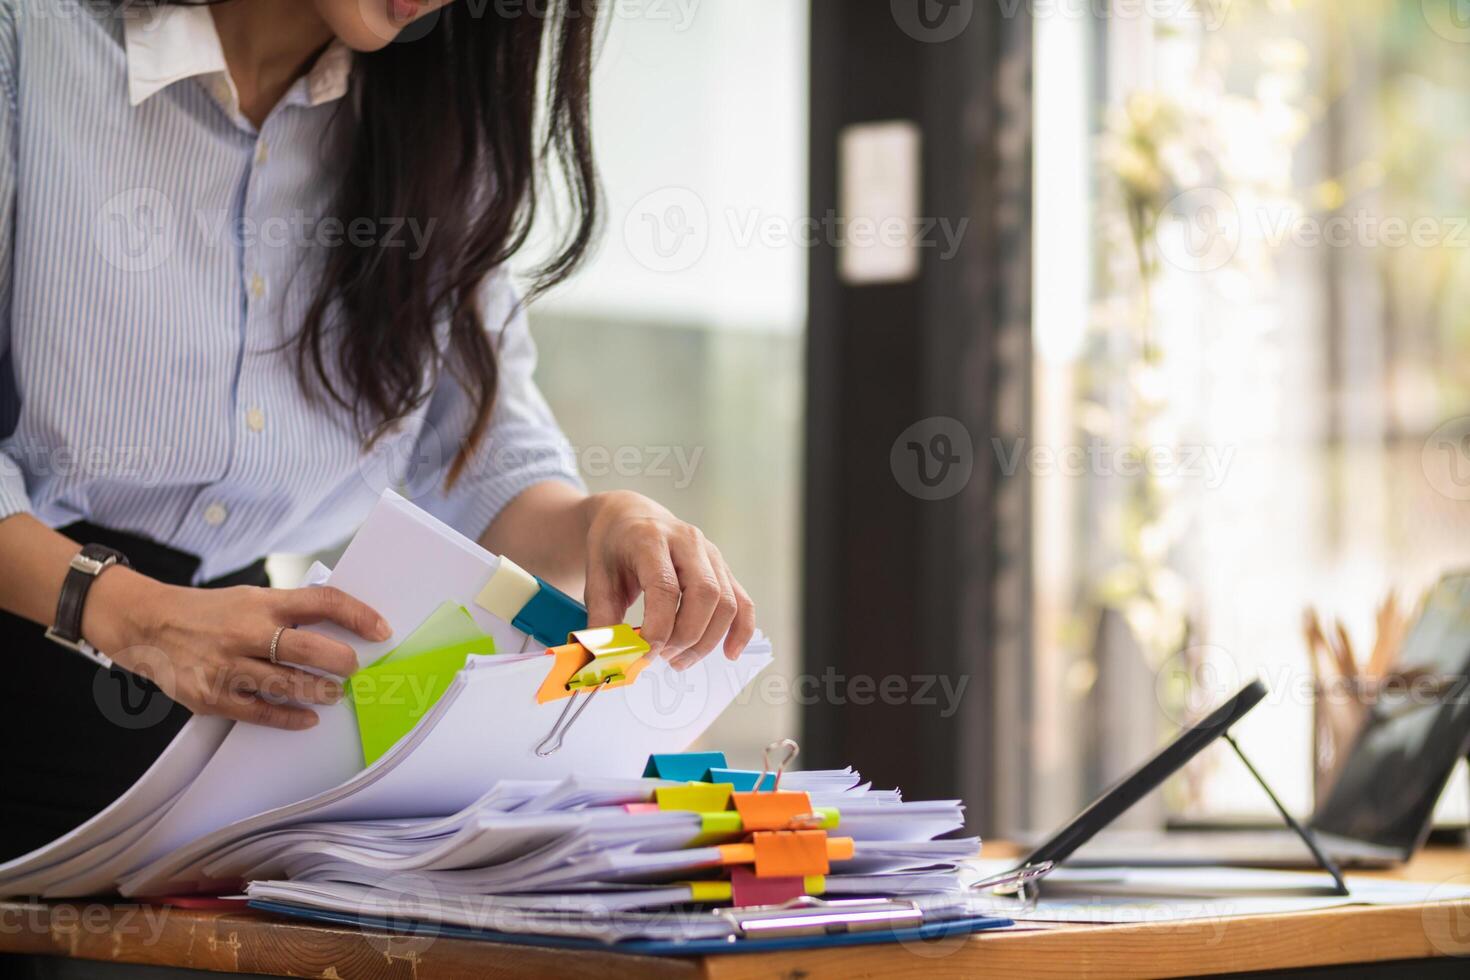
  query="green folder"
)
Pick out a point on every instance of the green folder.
point(392, 694)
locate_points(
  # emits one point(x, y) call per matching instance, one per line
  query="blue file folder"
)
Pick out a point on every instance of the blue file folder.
point(644, 947)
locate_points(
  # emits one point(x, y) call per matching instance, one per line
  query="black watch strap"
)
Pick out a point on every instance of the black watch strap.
point(86, 565)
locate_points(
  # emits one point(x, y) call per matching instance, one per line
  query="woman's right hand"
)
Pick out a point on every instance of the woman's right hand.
point(209, 649)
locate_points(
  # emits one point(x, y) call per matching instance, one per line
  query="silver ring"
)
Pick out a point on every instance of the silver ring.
point(276, 642)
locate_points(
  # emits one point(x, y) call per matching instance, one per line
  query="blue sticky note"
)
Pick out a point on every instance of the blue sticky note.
point(742, 779)
point(684, 767)
point(551, 616)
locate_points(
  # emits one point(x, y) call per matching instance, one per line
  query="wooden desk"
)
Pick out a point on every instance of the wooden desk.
point(1436, 935)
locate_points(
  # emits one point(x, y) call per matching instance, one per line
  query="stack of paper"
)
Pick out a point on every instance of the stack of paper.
point(613, 859)
point(464, 719)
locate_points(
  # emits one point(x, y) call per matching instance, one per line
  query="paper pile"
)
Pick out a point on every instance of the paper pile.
point(611, 859)
point(477, 724)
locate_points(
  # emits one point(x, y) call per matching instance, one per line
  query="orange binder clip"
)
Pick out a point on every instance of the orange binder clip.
point(776, 809)
point(591, 659)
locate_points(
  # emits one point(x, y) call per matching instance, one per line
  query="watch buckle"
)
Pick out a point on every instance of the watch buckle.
point(89, 566)
point(60, 640)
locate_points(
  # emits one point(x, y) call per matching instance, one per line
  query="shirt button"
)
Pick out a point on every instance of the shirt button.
point(257, 286)
point(255, 419)
point(262, 152)
point(215, 514)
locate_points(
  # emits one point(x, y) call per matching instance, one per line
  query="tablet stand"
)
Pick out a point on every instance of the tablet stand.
point(1306, 835)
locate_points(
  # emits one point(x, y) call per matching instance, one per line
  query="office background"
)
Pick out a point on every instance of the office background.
point(1223, 237)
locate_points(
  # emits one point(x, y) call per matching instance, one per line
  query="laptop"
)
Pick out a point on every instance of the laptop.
point(1381, 807)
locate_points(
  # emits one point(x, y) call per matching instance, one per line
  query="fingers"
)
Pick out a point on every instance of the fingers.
point(742, 628)
point(660, 586)
point(691, 599)
point(235, 692)
point(726, 607)
point(257, 712)
point(275, 684)
point(700, 590)
point(314, 650)
point(325, 604)
point(606, 605)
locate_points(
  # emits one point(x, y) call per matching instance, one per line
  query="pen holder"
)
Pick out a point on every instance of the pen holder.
point(1339, 710)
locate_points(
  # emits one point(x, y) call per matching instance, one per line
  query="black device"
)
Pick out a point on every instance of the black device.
point(1414, 735)
point(1149, 776)
point(1381, 807)
point(1146, 778)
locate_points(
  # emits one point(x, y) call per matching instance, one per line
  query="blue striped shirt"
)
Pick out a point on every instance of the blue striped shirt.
point(157, 254)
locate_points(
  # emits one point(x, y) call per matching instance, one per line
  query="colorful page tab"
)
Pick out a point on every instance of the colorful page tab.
point(390, 697)
point(451, 623)
point(788, 852)
point(508, 591)
point(746, 889)
point(551, 615)
point(684, 767)
point(743, 780)
point(696, 797)
point(709, 892)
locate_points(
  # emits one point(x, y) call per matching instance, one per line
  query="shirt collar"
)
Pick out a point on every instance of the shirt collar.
point(168, 43)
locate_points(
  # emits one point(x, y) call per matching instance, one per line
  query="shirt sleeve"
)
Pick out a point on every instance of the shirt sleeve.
point(523, 444)
point(13, 496)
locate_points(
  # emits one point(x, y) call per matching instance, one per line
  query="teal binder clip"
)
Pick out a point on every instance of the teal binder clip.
point(551, 615)
point(744, 780)
point(684, 767)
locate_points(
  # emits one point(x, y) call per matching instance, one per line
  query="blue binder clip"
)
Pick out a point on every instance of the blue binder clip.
point(744, 780)
point(551, 616)
point(531, 605)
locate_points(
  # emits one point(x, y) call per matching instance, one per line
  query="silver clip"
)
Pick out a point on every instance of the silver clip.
point(806, 915)
point(1019, 883)
point(792, 749)
point(559, 730)
point(1013, 881)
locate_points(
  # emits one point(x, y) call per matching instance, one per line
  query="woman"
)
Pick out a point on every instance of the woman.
point(252, 258)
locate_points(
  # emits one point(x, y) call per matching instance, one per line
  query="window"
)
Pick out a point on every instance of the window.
point(697, 295)
point(1250, 367)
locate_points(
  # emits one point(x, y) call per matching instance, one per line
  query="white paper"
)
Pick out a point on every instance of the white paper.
point(1124, 895)
point(144, 803)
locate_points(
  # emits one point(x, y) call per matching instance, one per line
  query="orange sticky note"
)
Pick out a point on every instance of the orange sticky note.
point(790, 853)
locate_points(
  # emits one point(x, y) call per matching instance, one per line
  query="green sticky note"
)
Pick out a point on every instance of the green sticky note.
point(449, 624)
point(396, 691)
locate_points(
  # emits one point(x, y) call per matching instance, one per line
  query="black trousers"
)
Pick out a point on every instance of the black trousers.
point(74, 736)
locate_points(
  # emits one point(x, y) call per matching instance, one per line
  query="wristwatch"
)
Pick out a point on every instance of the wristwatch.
point(86, 565)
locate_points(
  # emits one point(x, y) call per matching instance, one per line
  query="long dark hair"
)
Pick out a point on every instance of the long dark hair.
point(461, 126)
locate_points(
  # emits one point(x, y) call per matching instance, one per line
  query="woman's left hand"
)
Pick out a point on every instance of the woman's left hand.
point(691, 598)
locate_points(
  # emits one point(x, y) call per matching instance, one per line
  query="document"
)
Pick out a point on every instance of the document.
point(219, 783)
